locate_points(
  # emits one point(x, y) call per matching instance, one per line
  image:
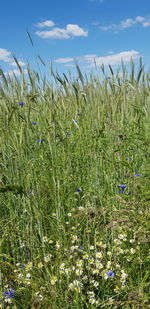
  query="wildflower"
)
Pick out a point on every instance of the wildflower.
point(110, 301)
point(34, 122)
point(69, 214)
point(81, 248)
point(92, 300)
point(21, 103)
point(123, 275)
point(110, 274)
point(120, 236)
point(96, 284)
point(99, 243)
point(40, 141)
point(50, 241)
point(98, 255)
point(91, 293)
point(137, 175)
point(122, 186)
point(39, 296)
point(53, 280)
point(31, 192)
point(132, 251)
point(109, 253)
point(79, 272)
point(47, 258)
point(78, 191)
point(80, 208)
point(85, 256)
point(45, 239)
point(71, 286)
point(117, 241)
point(57, 244)
point(29, 266)
point(9, 294)
point(116, 289)
point(85, 277)
point(76, 283)
point(79, 263)
point(40, 265)
point(117, 265)
point(74, 238)
point(108, 264)
point(92, 248)
point(91, 260)
point(132, 241)
point(95, 271)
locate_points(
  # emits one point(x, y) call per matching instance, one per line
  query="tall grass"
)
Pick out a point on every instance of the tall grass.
point(75, 190)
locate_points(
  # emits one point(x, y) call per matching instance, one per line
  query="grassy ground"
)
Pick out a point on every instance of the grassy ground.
point(75, 191)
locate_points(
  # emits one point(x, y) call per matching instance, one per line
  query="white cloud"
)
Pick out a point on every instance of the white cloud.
point(15, 71)
point(71, 30)
point(92, 59)
point(64, 60)
point(128, 23)
point(5, 55)
point(46, 23)
point(140, 18)
point(21, 63)
point(114, 59)
point(146, 24)
point(75, 30)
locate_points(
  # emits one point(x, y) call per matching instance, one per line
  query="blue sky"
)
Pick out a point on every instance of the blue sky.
point(90, 31)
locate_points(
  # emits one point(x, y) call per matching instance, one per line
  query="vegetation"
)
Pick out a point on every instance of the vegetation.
point(75, 190)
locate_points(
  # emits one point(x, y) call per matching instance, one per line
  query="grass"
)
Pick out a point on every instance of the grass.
point(75, 190)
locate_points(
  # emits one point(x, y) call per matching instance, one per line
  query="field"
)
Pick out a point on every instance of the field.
point(75, 190)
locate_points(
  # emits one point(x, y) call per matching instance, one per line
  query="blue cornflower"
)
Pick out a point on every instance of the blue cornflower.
point(110, 274)
point(34, 122)
point(10, 293)
point(22, 265)
point(127, 158)
point(21, 103)
point(122, 186)
point(78, 190)
point(121, 192)
point(81, 248)
point(137, 175)
point(31, 193)
point(40, 141)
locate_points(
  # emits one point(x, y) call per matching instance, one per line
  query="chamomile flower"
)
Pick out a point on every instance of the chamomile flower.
point(132, 251)
point(40, 265)
point(98, 255)
point(53, 280)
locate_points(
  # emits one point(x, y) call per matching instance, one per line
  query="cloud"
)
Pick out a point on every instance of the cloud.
point(114, 59)
point(92, 59)
point(146, 24)
point(64, 60)
point(5, 55)
point(21, 63)
point(128, 23)
point(15, 71)
point(46, 23)
point(71, 30)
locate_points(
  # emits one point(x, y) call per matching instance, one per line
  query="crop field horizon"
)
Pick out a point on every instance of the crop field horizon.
point(75, 190)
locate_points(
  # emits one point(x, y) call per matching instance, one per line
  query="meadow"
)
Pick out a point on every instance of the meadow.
point(75, 190)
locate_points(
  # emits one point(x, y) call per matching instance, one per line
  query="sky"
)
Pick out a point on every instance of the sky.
point(91, 32)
